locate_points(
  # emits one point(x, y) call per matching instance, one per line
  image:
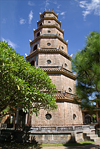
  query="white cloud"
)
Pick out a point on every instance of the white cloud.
point(30, 16)
point(58, 6)
point(62, 13)
point(94, 5)
point(10, 43)
point(47, 3)
point(30, 3)
point(22, 21)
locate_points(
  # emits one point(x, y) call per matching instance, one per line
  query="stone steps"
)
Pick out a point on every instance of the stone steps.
point(92, 136)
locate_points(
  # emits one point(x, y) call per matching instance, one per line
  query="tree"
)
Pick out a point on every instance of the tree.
point(21, 84)
point(86, 64)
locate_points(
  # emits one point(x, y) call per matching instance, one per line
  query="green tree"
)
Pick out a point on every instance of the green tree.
point(21, 84)
point(86, 64)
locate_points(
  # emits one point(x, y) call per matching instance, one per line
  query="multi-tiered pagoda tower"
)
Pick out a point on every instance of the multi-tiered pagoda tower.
point(49, 52)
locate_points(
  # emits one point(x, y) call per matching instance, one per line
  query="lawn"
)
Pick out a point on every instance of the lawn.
point(26, 145)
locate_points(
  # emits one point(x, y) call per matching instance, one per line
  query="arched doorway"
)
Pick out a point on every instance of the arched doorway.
point(88, 119)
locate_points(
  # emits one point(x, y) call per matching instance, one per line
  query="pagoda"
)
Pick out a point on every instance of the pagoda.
point(48, 51)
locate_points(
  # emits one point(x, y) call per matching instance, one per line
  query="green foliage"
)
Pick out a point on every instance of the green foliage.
point(86, 64)
point(21, 84)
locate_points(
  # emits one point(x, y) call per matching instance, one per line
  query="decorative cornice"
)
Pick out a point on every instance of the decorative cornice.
point(48, 26)
point(48, 50)
point(60, 70)
point(48, 36)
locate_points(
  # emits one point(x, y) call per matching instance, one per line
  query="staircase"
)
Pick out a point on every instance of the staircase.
point(90, 135)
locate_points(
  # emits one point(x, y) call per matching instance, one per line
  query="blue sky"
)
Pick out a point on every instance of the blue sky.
point(18, 18)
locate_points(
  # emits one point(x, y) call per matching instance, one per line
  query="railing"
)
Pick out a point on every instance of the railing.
point(62, 129)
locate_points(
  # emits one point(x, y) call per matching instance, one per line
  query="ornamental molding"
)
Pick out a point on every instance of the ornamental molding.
point(48, 50)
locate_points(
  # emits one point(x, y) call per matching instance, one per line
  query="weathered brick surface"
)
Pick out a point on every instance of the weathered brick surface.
point(63, 116)
point(55, 43)
point(56, 60)
point(62, 82)
point(52, 22)
point(53, 31)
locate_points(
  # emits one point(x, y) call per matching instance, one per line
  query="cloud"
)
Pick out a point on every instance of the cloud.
point(90, 7)
point(47, 3)
point(30, 3)
point(22, 21)
point(4, 21)
point(10, 43)
point(30, 16)
point(62, 13)
point(58, 6)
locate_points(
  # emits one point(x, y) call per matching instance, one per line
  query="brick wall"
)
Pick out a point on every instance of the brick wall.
point(56, 60)
point(63, 116)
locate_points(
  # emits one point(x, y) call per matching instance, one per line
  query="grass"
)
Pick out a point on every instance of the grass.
point(70, 144)
point(25, 145)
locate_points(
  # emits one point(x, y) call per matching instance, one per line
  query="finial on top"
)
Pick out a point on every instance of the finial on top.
point(29, 40)
point(67, 41)
point(33, 29)
point(40, 13)
point(25, 55)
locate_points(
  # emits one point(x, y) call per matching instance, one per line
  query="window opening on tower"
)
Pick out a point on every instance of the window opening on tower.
point(49, 31)
point(48, 61)
point(32, 63)
point(65, 65)
point(48, 44)
point(35, 47)
point(38, 34)
point(70, 90)
point(40, 24)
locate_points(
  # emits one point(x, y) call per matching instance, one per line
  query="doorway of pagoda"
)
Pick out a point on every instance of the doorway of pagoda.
point(88, 119)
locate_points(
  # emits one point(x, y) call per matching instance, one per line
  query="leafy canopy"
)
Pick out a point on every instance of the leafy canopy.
point(21, 84)
point(86, 64)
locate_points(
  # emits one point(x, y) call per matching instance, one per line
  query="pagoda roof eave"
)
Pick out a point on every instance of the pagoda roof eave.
point(49, 50)
point(48, 36)
point(60, 71)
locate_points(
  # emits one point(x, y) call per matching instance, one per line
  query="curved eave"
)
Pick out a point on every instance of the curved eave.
point(49, 18)
point(48, 11)
point(96, 110)
point(48, 36)
point(64, 99)
point(50, 50)
point(60, 71)
point(48, 26)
